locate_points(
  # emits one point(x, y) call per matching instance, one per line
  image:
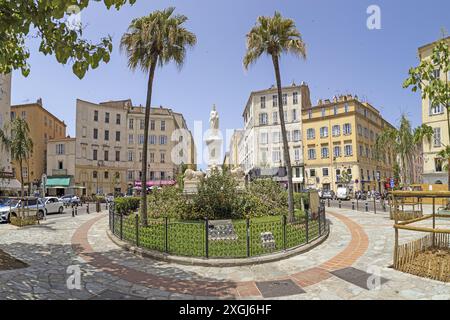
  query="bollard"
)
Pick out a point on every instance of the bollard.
point(357, 204)
point(87, 208)
point(73, 212)
point(76, 210)
point(353, 205)
point(384, 205)
point(374, 205)
point(328, 203)
point(98, 206)
point(340, 204)
point(367, 206)
point(106, 205)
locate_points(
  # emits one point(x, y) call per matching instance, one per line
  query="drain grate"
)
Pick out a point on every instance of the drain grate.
point(358, 277)
point(279, 288)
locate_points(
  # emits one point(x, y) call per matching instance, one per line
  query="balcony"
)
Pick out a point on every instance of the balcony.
point(59, 172)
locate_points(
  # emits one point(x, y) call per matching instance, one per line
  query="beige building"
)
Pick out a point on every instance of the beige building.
point(261, 147)
point(339, 136)
point(61, 167)
point(232, 155)
point(5, 111)
point(110, 138)
point(44, 126)
point(435, 116)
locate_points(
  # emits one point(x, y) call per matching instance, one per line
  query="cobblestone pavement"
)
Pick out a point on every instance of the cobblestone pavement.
point(360, 240)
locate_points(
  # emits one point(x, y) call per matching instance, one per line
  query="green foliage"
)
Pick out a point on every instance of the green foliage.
point(46, 20)
point(126, 205)
point(166, 202)
point(298, 197)
point(272, 196)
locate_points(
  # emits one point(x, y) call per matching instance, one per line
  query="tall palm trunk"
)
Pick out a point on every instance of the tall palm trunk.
point(448, 128)
point(151, 75)
point(287, 158)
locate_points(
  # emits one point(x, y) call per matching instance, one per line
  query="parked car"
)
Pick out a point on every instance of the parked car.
point(12, 207)
point(328, 194)
point(53, 205)
point(70, 199)
point(342, 193)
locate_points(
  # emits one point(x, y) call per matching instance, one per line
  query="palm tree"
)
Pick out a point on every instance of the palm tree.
point(274, 36)
point(445, 154)
point(150, 41)
point(19, 144)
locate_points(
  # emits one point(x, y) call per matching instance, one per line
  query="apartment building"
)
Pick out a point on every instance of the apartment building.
point(261, 147)
point(44, 126)
point(110, 137)
point(231, 158)
point(5, 110)
point(435, 116)
point(339, 145)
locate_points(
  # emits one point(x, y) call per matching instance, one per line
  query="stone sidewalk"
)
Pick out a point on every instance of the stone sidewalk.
point(360, 245)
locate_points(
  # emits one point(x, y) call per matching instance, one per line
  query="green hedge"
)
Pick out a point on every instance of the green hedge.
point(126, 205)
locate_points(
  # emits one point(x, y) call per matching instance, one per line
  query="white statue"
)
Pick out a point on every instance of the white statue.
point(214, 119)
point(191, 175)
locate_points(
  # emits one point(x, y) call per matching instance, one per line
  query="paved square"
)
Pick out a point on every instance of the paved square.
point(357, 277)
point(114, 295)
point(272, 289)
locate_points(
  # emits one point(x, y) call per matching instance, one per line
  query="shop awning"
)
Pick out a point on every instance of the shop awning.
point(9, 184)
point(57, 182)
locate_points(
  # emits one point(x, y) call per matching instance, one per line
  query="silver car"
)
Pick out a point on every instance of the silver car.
point(53, 205)
point(12, 207)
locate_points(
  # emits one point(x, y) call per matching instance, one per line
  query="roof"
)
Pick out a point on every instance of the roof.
point(432, 43)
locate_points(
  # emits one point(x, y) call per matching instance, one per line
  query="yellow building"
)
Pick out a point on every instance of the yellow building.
point(339, 136)
point(43, 126)
point(434, 116)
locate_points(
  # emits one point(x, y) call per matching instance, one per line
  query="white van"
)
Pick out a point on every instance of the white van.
point(342, 193)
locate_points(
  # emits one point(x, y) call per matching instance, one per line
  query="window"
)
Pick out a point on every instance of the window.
point(117, 135)
point(324, 153)
point(371, 135)
point(263, 102)
point(436, 108)
point(94, 154)
point(294, 115)
point(346, 107)
point(348, 150)
point(84, 132)
point(436, 74)
point(130, 155)
point(436, 137)
point(438, 165)
point(152, 175)
point(310, 134)
point(312, 172)
point(131, 124)
point(95, 115)
point(60, 165)
point(335, 110)
point(336, 130)
point(106, 135)
point(367, 152)
point(323, 112)
point(288, 136)
point(163, 157)
point(163, 125)
point(106, 155)
point(141, 139)
point(285, 99)
point(360, 130)
point(311, 154)
point(337, 151)
point(276, 137)
point(117, 155)
point(366, 132)
point(152, 157)
point(153, 139)
point(118, 118)
point(94, 174)
point(295, 98)
point(347, 129)
point(264, 137)
point(285, 114)
point(95, 134)
point(162, 140)
point(361, 150)
point(296, 135)
point(275, 117)
point(275, 100)
point(163, 175)
point(130, 139)
point(130, 175)
point(309, 114)
point(325, 172)
point(106, 117)
point(276, 156)
point(106, 175)
point(297, 154)
point(60, 149)
point(262, 118)
point(324, 132)
point(152, 125)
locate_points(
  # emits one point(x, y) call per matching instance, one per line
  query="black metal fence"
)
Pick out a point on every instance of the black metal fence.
point(232, 239)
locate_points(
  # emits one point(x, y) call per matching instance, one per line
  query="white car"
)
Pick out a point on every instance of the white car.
point(53, 205)
point(342, 193)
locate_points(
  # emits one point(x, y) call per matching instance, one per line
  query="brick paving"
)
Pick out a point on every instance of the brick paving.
point(359, 240)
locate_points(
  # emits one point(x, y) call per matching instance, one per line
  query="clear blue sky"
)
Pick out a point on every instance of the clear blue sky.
point(343, 57)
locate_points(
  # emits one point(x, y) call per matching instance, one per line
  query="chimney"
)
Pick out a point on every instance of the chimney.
point(39, 101)
point(335, 99)
point(305, 96)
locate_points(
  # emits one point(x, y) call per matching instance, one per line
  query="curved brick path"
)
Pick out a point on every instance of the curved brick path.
point(354, 250)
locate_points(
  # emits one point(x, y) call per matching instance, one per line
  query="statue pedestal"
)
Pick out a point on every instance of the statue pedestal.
point(191, 187)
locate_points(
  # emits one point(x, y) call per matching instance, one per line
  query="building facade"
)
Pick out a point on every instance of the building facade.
point(261, 147)
point(5, 111)
point(43, 126)
point(435, 116)
point(339, 146)
point(110, 138)
point(232, 156)
point(61, 167)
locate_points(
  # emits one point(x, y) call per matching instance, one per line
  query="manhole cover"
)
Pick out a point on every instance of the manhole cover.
point(358, 277)
point(280, 288)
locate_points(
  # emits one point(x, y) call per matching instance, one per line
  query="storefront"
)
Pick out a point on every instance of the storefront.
point(59, 186)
